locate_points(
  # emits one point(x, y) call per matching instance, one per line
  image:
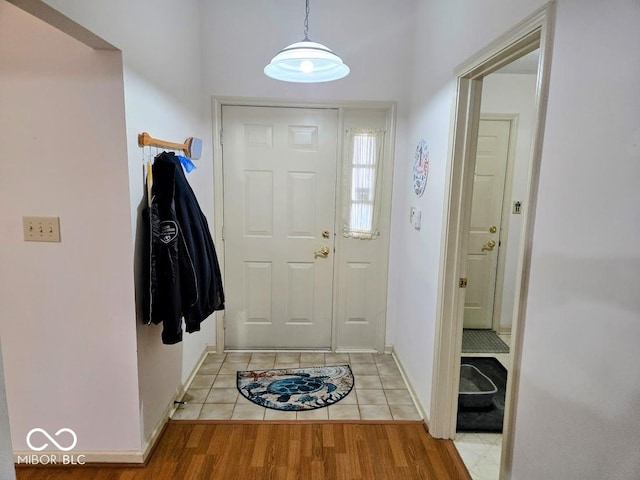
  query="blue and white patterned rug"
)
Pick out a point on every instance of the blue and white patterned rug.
point(296, 388)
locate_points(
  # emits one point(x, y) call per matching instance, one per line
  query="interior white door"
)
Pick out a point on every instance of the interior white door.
point(485, 227)
point(279, 207)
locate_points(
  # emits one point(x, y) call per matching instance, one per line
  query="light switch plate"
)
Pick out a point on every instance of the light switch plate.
point(415, 217)
point(41, 229)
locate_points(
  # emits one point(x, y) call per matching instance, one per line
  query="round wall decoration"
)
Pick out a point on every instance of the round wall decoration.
point(420, 167)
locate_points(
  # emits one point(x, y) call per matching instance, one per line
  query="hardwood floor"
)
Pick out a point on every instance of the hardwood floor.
point(287, 451)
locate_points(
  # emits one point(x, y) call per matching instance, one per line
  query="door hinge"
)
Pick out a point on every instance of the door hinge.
point(463, 282)
point(222, 233)
point(220, 137)
point(224, 321)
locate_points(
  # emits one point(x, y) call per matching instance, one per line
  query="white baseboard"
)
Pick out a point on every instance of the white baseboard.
point(412, 392)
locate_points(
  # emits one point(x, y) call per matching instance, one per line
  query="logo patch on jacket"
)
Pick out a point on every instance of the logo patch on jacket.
point(168, 231)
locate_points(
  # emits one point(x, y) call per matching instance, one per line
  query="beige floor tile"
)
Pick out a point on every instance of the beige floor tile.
point(214, 358)
point(344, 412)
point(350, 399)
point(271, 414)
point(364, 369)
point(384, 358)
point(388, 369)
point(231, 368)
point(368, 381)
point(202, 381)
point(361, 358)
point(238, 358)
point(288, 357)
point(195, 395)
point(248, 411)
point(187, 412)
point(392, 382)
point(371, 397)
point(336, 358)
point(317, 414)
point(398, 397)
point(260, 365)
point(225, 381)
point(404, 412)
point(375, 412)
point(263, 357)
point(380, 393)
point(209, 368)
point(279, 365)
point(216, 411)
point(314, 358)
point(222, 395)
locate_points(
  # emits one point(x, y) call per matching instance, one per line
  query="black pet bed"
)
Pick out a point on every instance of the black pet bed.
point(487, 419)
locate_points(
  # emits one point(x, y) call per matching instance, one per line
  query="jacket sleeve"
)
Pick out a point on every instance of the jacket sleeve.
point(164, 270)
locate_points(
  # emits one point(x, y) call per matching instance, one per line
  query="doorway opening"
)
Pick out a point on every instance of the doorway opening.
point(469, 144)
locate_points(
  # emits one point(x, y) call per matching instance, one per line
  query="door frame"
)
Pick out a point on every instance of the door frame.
point(533, 32)
point(218, 183)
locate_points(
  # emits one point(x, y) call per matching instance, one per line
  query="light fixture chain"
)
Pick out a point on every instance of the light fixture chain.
point(306, 23)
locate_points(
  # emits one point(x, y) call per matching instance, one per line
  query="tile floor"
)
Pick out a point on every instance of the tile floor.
point(380, 393)
point(481, 451)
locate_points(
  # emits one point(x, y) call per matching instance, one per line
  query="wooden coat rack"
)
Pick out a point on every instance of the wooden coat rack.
point(192, 147)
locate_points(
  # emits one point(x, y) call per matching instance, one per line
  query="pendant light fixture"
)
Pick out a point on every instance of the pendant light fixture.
point(306, 61)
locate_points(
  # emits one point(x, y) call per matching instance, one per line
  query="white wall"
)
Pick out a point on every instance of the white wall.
point(161, 75)
point(67, 308)
point(577, 411)
point(374, 37)
point(7, 470)
point(445, 37)
point(580, 379)
point(513, 94)
point(161, 52)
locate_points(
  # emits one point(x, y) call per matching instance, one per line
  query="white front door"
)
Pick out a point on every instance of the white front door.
point(485, 227)
point(279, 206)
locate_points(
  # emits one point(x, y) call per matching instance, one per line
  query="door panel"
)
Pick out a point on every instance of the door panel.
point(486, 212)
point(279, 189)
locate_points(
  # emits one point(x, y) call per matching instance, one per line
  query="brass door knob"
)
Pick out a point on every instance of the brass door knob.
point(323, 252)
point(489, 245)
point(493, 229)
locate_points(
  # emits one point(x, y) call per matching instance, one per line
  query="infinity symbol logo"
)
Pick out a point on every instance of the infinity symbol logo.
point(51, 439)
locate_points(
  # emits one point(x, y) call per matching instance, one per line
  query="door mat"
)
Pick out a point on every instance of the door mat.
point(296, 388)
point(482, 341)
point(488, 419)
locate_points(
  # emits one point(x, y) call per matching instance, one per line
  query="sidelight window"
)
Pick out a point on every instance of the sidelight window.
point(362, 182)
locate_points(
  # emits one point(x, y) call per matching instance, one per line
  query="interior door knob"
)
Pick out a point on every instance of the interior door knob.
point(489, 245)
point(323, 252)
